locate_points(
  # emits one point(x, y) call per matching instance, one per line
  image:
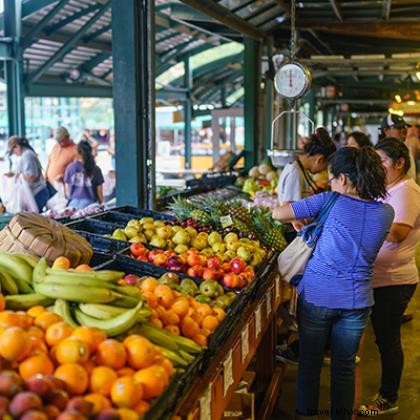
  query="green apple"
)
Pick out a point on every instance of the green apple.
point(134, 223)
point(139, 238)
point(192, 232)
point(176, 228)
point(170, 244)
point(245, 240)
point(233, 246)
point(214, 238)
point(209, 288)
point(244, 253)
point(199, 243)
point(149, 233)
point(181, 237)
point(147, 226)
point(219, 247)
point(164, 232)
point(231, 237)
point(159, 223)
point(208, 252)
point(144, 220)
point(119, 234)
point(203, 235)
point(230, 254)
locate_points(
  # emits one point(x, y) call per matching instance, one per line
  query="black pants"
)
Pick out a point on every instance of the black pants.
point(390, 304)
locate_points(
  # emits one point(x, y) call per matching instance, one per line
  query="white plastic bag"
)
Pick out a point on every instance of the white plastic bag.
point(58, 202)
point(16, 195)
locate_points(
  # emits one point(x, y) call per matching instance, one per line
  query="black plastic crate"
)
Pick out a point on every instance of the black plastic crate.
point(97, 227)
point(104, 245)
point(139, 213)
point(99, 258)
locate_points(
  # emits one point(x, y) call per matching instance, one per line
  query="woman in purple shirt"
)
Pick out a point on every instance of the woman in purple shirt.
point(335, 293)
point(83, 179)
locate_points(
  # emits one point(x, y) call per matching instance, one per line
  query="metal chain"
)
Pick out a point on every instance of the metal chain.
point(293, 30)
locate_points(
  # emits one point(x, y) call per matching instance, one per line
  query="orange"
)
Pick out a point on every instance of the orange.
point(126, 371)
point(153, 379)
point(152, 300)
point(74, 376)
point(35, 332)
point(37, 345)
point(140, 352)
point(149, 284)
point(200, 339)
point(89, 366)
point(126, 392)
point(101, 380)
point(210, 322)
point(156, 322)
point(39, 363)
point(83, 268)
point(10, 319)
point(25, 320)
point(72, 350)
point(180, 307)
point(189, 327)
point(111, 353)
point(174, 329)
point(170, 318)
point(219, 313)
point(141, 408)
point(91, 335)
point(61, 263)
point(204, 309)
point(36, 310)
point(168, 366)
point(2, 303)
point(99, 402)
point(127, 414)
point(46, 319)
point(57, 332)
point(14, 344)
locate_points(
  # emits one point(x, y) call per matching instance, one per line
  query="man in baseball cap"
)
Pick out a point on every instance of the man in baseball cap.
point(394, 126)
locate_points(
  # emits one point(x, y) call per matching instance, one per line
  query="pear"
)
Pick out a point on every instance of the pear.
point(176, 228)
point(147, 226)
point(149, 233)
point(244, 253)
point(181, 237)
point(231, 237)
point(219, 247)
point(158, 242)
point(119, 234)
point(164, 232)
point(130, 231)
point(134, 223)
point(256, 260)
point(139, 238)
point(159, 223)
point(214, 238)
point(199, 243)
point(230, 254)
point(170, 244)
point(233, 246)
point(180, 249)
point(207, 252)
point(144, 220)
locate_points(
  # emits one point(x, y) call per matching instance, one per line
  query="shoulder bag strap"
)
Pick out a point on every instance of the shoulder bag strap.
point(308, 179)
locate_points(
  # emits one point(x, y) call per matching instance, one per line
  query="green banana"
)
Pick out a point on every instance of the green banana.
point(76, 281)
point(28, 258)
point(114, 326)
point(62, 308)
point(38, 274)
point(187, 356)
point(103, 275)
point(156, 336)
point(174, 357)
point(7, 283)
point(100, 311)
point(128, 291)
point(23, 287)
point(76, 293)
point(125, 301)
point(17, 268)
point(24, 302)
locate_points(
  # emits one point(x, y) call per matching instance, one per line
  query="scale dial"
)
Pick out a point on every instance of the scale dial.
point(292, 80)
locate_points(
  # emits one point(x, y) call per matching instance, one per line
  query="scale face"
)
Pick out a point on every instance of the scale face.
point(292, 80)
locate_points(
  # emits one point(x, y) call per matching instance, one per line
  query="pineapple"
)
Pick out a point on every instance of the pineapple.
point(201, 217)
point(238, 211)
point(181, 208)
point(271, 234)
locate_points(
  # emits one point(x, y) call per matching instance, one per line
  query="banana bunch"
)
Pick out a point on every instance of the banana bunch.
point(181, 351)
point(16, 274)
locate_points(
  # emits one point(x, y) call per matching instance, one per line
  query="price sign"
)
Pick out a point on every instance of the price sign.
point(205, 404)
point(226, 221)
point(268, 300)
point(258, 321)
point(227, 373)
point(277, 281)
point(245, 342)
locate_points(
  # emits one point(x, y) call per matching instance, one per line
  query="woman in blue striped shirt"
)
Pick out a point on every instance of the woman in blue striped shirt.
point(335, 293)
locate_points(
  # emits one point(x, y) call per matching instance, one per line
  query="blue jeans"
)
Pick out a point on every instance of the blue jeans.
point(342, 328)
point(41, 198)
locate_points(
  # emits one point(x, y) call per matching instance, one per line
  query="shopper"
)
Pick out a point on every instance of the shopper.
point(63, 153)
point(358, 139)
point(335, 293)
point(29, 168)
point(83, 179)
point(395, 275)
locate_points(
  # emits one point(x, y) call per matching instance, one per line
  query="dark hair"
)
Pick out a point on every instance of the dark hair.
point(85, 151)
point(395, 149)
point(19, 141)
point(320, 143)
point(364, 169)
point(361, 138)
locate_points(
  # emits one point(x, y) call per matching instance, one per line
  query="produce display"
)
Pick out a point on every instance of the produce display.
point(260, 178)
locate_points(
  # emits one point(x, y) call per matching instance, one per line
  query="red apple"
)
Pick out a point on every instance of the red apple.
point(195, 271)
point(230, 280)
point(143, 258)
point(160, 260)
point(169, 253)
point(237, 265)
point(183, 257)
point(153, 253)
point(137, 249)
point(193, 259)
point(243, 280)
point(214, 262)
point(225, 267)
point(193, 251)
point(131, 279)
point(249, 273)
point(209, 274)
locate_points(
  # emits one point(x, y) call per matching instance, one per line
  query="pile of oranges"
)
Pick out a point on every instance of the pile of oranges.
point(180, 314)
point(106, 372)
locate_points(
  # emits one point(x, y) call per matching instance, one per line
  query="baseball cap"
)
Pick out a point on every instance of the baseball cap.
point(394, 120)
point(61, 133)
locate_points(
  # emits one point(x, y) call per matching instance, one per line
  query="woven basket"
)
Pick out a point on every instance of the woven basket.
point(44, 237)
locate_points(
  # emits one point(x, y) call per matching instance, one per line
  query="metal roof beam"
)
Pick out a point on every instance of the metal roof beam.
point(225, 16)
point(95, 61)
point(337, 10)
point(97, 33)
point(63, 22)
point(32, 6)
point(61, 53)
point(69, 90)
point(36, 29)
point(6, 50)
point(386, 11)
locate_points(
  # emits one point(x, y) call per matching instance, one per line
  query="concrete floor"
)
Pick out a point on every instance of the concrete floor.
point(368, 373)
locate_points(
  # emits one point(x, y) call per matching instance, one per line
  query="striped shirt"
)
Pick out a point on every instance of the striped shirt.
point(339, 273)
